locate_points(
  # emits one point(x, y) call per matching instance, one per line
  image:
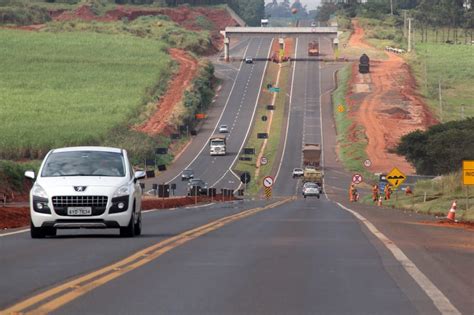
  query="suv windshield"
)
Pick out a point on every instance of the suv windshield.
point(84, 163)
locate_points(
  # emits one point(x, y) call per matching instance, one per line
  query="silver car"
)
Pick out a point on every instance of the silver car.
point(311, 189)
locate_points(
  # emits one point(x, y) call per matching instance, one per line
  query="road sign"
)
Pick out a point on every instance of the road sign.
point(468, 172)
point(245, 177)
point(356, 179)
point(367, 163)
point(262, 135)
point(340, 108)
point(268, 181)
point(263, 160)
point(268, 192)
point(264, 118)
point(396, 177)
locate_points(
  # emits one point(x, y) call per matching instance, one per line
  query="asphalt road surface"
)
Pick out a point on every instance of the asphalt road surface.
point(287, 255)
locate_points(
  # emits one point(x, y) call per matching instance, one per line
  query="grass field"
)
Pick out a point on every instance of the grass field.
point(435, 197)
point(452, 67)
point(72, 88)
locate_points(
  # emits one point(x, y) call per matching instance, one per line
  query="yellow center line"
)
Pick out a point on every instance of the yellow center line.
point(73, 289)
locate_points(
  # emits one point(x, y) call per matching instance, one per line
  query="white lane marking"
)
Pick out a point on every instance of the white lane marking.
point(205, 146)
point(200, 206)
point(289, 113)
point(441, 302)
point(15, 232)
point(321, 125)
point(253, 114)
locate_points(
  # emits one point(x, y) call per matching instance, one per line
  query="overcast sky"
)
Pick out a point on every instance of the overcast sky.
point(310, 4)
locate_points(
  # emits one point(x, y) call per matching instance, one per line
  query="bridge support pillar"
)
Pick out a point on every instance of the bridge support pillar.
point(226, 48)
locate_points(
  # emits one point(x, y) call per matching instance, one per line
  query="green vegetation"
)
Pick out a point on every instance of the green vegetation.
point(258, 126)
point(158, 28)
point(252, 11)
point(22, 13)
point(435, 197)
point(69, 89)
point(12, 174)
point(440, 149)
point(449, 67)
point(351, 139)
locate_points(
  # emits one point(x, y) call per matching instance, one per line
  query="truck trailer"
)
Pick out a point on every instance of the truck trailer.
point(311, 163)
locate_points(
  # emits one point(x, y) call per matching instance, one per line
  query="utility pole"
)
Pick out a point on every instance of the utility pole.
point(404, 23)
point(391, 7)
point(409, 34)
point(440, 100)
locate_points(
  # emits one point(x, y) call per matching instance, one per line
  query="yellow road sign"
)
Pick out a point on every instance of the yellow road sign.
point(468, 172)
point(340, 108)
point(396, 177)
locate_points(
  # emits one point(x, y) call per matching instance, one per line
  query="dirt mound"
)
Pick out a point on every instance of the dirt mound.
point(386, 104)
point(184, 15)
point(12, 217)
point(160, 121)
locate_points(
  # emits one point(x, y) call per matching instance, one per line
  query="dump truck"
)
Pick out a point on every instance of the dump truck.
point(313, 48)
point(217, 145)
point(311, 163)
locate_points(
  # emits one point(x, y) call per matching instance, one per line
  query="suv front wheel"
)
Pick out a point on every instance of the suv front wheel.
point(129, 230)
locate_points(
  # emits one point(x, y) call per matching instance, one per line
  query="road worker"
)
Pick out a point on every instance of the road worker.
point(375, 193)
point(387, 191)
point(408, 191)
point(352, 190)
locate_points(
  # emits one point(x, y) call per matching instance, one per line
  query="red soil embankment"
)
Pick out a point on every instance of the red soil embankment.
point(385, 102)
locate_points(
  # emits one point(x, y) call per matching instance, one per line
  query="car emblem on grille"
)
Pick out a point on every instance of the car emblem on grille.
point(80, 188)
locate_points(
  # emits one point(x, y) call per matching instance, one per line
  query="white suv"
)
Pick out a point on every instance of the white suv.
point(85, 187)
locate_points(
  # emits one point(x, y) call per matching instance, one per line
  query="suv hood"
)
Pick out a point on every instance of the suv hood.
point(95, 185)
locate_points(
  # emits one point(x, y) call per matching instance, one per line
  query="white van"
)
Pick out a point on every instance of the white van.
point(85, 187)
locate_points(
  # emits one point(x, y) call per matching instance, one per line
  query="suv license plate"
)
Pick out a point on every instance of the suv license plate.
point(79, 211)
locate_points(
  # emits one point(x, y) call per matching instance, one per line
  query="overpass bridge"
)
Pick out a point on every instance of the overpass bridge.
point(229, 32)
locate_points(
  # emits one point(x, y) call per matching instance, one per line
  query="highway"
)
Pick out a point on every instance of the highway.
point(286, 255)
point(237, 113)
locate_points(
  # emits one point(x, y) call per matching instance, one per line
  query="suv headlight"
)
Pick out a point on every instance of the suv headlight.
point(122, 191)
point(39, 191)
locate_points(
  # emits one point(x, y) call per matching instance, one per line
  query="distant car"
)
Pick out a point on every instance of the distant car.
point(187, 174)
point(313, 24)
point(311, 189)
point(199, 183)
point(248, 60)
point(297, 172)
point(223, 129)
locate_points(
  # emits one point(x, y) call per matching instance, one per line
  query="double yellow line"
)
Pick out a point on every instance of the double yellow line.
point(56, 297)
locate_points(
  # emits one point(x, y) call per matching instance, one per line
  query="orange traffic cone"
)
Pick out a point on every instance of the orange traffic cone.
point(379, 203)
point(452, 212)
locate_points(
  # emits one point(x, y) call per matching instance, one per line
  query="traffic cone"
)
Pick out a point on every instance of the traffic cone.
point(452, 212)
point(379, 203)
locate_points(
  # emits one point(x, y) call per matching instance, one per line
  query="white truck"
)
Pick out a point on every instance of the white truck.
point(217, 145)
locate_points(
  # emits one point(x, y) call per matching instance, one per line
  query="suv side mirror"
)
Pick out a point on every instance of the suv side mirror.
point(139, 175)
point(30, 174)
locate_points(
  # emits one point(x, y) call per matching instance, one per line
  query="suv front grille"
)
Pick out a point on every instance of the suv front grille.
point(97, 203)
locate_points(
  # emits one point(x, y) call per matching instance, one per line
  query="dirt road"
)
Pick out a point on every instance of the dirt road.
point(160, 120)
point(386, 104)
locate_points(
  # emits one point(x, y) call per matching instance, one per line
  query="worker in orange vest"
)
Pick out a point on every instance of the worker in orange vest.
point(387, 190)
point(352, 191)
point(375, 193)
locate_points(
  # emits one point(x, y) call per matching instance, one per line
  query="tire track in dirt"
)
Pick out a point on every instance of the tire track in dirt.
point(386, 104)
point(160, 120)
